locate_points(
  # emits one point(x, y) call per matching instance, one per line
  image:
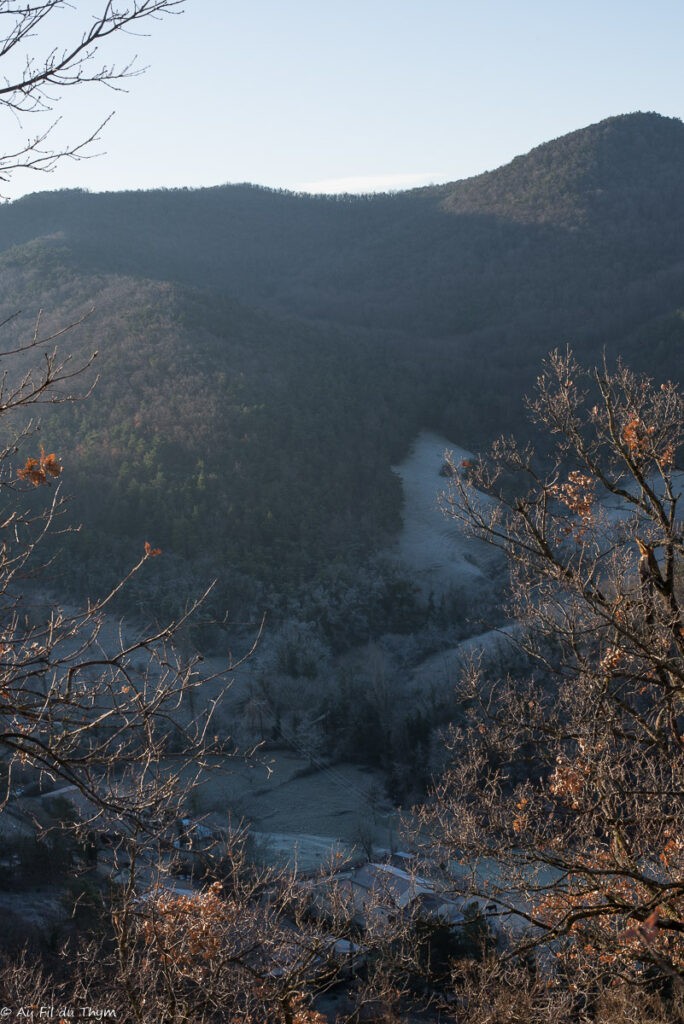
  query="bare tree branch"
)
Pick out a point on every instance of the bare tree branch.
point(572, 784)
point(34, 71)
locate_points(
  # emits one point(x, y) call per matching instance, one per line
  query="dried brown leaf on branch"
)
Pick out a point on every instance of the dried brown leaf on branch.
point(569, 781)
point(38, 471)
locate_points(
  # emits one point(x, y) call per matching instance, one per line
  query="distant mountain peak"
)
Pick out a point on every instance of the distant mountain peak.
point(559, 181)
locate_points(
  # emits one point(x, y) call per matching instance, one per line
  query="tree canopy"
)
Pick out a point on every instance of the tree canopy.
point(569, 788)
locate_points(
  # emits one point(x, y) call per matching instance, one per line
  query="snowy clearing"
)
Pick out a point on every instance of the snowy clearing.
point(432, 546)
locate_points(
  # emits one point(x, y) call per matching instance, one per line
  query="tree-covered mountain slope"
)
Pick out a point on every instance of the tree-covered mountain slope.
point(251, 447)
point(265, 357)
point(557, 234)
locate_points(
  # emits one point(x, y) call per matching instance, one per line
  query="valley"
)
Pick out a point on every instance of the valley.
point(276, 382)
point(264, 698)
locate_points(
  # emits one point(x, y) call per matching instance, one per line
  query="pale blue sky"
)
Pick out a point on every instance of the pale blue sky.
point(367, 94)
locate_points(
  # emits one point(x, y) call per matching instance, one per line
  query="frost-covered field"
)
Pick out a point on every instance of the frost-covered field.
point(430, 544)
point(296, 811)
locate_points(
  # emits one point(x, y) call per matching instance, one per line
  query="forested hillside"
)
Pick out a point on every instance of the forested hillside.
point(265, 357)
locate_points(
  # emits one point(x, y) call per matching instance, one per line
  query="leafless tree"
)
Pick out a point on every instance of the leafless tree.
point(111, 718)
point(70, 705)
point(565, 798)
point(47, 47)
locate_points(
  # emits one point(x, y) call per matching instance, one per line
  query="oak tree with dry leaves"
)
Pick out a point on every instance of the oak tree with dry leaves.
point(565, 795)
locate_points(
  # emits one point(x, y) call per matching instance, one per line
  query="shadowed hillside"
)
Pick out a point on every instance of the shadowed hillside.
point(265, 357)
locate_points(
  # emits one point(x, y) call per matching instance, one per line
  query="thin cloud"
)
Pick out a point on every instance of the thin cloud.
point(363, 183)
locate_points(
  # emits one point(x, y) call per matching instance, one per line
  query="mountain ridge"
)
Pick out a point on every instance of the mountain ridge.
point(609, 152)
point(311, 338)
point(424, 260)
